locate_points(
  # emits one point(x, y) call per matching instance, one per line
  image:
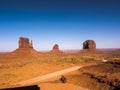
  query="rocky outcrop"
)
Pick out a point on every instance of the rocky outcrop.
point(105, 74)
point(56, 50)
point(24, 43)
point(89, 45)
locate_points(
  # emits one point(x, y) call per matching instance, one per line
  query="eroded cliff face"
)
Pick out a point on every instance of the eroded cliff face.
point(89, 45)
point(24, 43)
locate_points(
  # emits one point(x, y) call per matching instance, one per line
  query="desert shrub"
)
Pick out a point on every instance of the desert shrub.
point(63, 79)
point(88, 59)
point(73, 61)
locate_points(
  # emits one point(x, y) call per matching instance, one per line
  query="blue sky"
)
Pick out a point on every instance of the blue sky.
point(65, 22)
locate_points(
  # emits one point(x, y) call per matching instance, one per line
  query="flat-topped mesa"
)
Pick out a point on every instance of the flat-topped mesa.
point(89, 45)
point(24, 43)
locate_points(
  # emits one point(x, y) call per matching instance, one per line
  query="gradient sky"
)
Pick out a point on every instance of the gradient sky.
point(65, 22)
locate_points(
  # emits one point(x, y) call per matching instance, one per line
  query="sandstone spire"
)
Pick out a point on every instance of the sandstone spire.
point(56, 50)
point(56, 47)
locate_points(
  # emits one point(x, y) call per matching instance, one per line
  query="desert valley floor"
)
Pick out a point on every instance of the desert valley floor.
point(100, 70)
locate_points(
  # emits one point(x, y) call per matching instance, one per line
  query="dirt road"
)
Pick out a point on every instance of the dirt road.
point(48, 76)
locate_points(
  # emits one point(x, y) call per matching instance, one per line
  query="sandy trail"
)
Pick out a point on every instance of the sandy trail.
point(48, 76)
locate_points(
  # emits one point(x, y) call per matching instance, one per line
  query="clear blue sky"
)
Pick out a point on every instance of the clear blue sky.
point(65, 22)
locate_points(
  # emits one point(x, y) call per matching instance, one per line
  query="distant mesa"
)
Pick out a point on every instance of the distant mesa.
point(24, 43)
point(56, 50)
point(89, 45)
point(25, 49)
point(25, 46)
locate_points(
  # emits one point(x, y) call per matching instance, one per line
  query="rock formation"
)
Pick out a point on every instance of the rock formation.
point(56, 50)
point(55, 47)
point(24, 43)
point(89, 45)
point(25, 49)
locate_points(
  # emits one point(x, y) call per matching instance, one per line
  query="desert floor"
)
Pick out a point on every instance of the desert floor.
point(17, 69)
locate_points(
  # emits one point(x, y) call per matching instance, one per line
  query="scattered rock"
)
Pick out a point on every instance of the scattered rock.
point(107, 74)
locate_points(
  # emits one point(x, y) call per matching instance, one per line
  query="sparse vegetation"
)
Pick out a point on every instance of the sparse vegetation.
point(14, 69)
